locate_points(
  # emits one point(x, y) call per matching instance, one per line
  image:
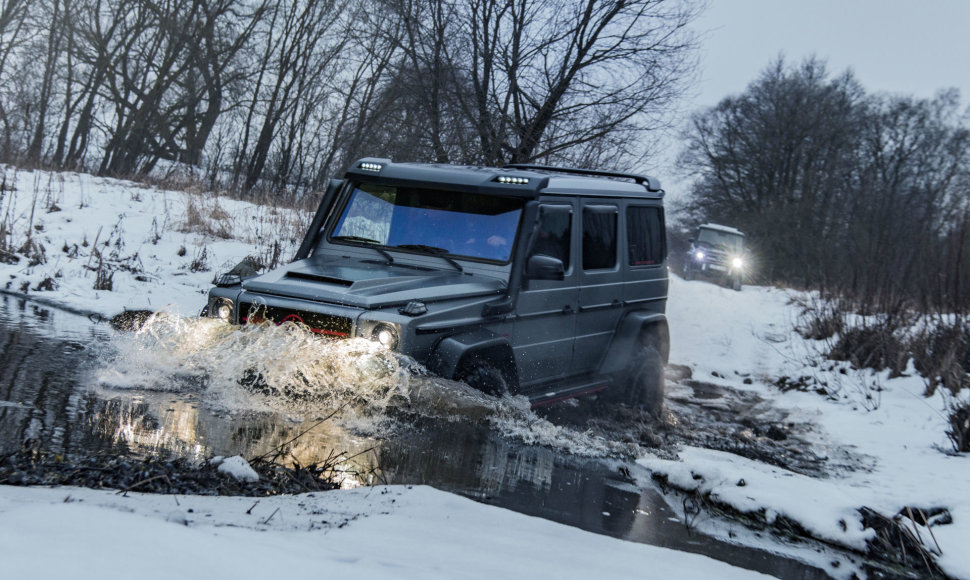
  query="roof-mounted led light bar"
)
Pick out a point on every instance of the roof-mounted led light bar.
point(512, 180)
point(369, 166)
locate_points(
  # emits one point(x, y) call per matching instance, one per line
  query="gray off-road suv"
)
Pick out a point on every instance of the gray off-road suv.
point(717, 252)
point(542, 281)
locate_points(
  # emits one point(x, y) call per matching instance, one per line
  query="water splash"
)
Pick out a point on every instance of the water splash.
point(290, 370)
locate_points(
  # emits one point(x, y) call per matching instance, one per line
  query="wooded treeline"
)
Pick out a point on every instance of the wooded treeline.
point(862, 195)
point(278, 96)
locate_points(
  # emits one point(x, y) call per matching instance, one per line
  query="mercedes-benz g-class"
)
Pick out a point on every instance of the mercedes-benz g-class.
point(547, 282)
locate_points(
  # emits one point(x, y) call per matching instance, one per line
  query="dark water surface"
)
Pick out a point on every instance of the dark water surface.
point(47, 358)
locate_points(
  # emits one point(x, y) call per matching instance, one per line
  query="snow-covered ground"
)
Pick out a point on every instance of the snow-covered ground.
point(897, 434)
point(162, 249)
point(379, 532)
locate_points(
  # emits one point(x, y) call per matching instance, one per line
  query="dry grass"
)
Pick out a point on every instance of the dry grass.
point(958, 430)
point(204, 216)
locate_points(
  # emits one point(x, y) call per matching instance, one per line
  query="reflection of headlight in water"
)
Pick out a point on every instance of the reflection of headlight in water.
point(699, 255)
point(737, 262)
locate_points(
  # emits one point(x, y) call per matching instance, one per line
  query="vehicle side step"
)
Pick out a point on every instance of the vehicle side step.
point(554, 393)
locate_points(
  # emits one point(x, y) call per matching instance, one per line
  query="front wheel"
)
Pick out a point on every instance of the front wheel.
point(484, 375)
point(736, 282)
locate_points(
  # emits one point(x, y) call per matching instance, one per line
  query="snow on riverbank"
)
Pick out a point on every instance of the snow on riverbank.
point(380, 532)
point(745, 341)
point(161, 249)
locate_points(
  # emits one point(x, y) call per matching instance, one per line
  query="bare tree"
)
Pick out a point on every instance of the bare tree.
point(579, 71)
point(13, 20)
point(300, 50)
point(775, 161)
point(858, 195)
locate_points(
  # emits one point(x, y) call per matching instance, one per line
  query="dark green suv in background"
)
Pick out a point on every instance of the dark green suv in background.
point(540, 281)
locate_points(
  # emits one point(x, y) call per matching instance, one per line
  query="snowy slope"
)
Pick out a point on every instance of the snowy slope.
point(898, 435)
point(161, 248)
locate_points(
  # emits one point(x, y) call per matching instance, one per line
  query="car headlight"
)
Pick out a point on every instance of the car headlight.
point(387, 335)
point(222, 309)
point(699, 255)
point(737, 262)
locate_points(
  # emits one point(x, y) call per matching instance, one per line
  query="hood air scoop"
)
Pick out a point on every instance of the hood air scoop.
point(318, 278)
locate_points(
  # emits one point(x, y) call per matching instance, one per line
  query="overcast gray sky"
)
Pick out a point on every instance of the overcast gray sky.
point(913, 47)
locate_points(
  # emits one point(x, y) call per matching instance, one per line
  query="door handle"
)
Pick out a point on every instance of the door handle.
point(567, 309)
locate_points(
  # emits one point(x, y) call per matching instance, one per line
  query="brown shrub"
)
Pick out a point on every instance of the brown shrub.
point(877, 347)
point(942, 355)
point(959, 426)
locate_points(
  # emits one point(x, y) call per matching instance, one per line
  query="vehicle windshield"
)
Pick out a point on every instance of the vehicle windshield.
point(432, 221)
point(720, 239)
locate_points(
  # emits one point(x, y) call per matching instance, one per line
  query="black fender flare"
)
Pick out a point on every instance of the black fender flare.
point(637, 325)
point(451, 350)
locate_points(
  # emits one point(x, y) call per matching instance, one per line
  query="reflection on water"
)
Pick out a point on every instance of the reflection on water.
point(52, 395)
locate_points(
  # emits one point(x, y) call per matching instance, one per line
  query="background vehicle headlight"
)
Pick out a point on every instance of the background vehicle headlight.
point(699, 255)
point(737, 262)
point(387, 335)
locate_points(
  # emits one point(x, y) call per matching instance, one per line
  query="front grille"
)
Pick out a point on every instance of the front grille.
point(325, 324)
point(717, 257)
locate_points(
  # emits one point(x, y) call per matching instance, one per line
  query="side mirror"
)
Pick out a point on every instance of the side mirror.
point(690, 240)
point(542, 267)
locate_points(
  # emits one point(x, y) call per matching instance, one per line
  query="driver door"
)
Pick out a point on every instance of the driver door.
point(545, 322)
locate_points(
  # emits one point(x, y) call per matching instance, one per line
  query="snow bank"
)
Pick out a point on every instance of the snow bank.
point(161, 248)
point(897, 434)
point(383, 532)
point(824, 507)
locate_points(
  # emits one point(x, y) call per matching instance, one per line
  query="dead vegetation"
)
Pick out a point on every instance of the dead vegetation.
point(958, 431)
point(204, 215)
point(938, 346)
point(169, 476)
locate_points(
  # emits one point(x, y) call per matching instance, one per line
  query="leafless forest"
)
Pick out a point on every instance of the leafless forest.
point(277, 96)
point(862, 195)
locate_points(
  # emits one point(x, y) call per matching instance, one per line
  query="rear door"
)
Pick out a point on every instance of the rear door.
point(646, 257)
point(601, 282)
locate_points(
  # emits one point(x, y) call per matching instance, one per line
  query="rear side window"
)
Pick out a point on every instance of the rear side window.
point(645, 235)
point(599, 237)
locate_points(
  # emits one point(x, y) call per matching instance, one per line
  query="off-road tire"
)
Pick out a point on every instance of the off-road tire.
point(689, 273)
point(484, 375)
point(644, 386)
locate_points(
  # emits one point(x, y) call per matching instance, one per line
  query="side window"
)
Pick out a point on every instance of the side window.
point(645, 235)
point(599, 237)
point(555, 232)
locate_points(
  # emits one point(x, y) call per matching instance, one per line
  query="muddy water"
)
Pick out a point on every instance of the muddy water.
point(69, 385)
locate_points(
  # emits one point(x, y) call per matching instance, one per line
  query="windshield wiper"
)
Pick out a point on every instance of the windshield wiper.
point(363, 240)
point(432, 251)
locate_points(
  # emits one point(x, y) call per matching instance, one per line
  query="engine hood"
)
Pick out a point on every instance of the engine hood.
point(370, 284)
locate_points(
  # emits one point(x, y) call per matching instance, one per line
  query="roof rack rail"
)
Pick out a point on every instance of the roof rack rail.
point(649, 182)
